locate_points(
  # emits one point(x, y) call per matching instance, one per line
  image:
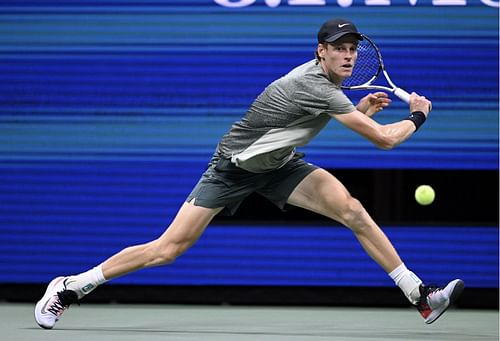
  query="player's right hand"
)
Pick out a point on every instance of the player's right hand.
point(420, 103)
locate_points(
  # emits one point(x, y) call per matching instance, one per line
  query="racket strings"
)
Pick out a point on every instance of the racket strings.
point(367, 65)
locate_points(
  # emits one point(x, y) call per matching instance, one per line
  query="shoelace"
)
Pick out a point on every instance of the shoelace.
point(429, 290)
point(423, 306)
point(57, 308)
point(63, 300)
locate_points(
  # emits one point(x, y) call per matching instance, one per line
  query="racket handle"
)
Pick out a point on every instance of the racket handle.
point(403, 95)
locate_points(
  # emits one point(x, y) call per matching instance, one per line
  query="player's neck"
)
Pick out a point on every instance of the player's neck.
point(332, 77)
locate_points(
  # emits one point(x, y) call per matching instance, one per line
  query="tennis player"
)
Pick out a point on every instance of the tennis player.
point(258, 154)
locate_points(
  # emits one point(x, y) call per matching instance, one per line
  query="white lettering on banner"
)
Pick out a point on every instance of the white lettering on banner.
point(237, 3)
point(378, 2)
point(491, 3)
point(449, 2)
point(307, 2)
point(345, 3)
point(273, 3)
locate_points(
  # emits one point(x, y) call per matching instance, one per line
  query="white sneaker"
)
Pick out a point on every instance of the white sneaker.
point(54, 302)
point(434, 301)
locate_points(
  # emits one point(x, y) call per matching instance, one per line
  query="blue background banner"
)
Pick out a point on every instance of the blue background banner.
point(120, 80)
point(110, 111)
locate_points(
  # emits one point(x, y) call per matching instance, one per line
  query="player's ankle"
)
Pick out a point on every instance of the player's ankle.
point(408, 282)
point(86, 282)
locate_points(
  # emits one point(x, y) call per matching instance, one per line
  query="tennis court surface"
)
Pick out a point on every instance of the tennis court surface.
point(192, 322)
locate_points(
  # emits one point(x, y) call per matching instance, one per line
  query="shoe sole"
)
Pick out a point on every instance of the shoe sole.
point(45, 297)
point(455, 294)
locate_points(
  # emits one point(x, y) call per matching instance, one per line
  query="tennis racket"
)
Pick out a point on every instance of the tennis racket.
point(368, 67)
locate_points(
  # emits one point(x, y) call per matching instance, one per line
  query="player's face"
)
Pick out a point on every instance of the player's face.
point(338, 58)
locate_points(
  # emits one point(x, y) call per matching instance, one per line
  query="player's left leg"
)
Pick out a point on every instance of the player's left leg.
point(183, 232)
point(322, 193)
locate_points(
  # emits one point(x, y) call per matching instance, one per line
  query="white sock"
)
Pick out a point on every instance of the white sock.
point(85, 282)
point(408, 282)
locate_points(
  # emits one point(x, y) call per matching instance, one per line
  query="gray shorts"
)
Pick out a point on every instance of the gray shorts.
point(225, 185)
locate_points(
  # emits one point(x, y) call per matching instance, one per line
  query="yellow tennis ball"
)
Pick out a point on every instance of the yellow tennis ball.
point(425, 195)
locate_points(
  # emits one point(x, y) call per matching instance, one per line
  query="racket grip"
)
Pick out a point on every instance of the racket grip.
point(403, 95)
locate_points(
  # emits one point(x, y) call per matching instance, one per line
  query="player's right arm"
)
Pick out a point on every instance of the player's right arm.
point(385, 136)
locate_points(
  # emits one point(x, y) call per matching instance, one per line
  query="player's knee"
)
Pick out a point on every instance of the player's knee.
point(172, 251)
point(352, 214)
point(161, 253)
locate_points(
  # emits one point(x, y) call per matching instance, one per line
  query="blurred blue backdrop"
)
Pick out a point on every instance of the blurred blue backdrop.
point(110, 111)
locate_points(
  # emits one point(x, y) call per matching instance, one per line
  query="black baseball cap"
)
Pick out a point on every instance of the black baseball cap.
point(336, 28)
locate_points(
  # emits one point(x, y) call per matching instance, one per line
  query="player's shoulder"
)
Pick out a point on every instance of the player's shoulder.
point(308, 74)
point(309, 68)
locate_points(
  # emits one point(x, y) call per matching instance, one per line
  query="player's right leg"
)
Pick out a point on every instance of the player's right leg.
point(184, 231)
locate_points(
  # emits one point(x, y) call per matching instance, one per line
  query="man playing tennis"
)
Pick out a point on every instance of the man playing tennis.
point(258, 155)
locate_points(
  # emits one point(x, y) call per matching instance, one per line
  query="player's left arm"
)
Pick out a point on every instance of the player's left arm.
point(385, 136)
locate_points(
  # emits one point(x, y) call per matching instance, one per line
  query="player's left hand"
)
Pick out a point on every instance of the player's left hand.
point(373, 103)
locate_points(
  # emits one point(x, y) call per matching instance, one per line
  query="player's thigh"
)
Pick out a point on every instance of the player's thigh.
point(323, 193)
point(189, 224)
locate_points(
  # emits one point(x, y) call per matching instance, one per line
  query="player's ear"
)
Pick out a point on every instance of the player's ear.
point(321, 50)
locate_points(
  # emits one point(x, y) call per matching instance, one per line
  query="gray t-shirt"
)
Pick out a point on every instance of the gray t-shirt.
point(287, 114)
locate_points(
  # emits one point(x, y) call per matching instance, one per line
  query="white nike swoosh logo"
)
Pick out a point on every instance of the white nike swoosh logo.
point(342, 25)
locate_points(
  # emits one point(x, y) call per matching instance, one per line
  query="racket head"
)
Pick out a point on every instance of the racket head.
point(368, 64)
